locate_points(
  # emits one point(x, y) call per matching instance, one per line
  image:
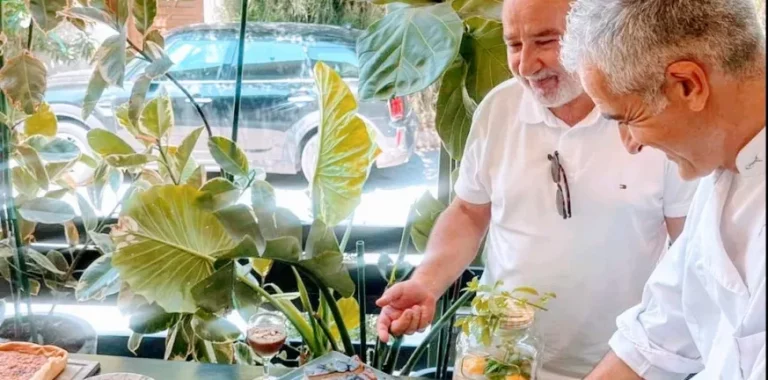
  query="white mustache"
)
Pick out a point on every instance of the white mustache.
point(543, 74)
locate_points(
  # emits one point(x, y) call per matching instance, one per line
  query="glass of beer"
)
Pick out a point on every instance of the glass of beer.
point(266, 334)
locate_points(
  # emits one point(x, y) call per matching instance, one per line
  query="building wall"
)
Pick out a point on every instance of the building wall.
point(172, 14)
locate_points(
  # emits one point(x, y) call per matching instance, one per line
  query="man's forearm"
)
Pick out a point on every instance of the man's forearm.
point(452, 245)
point(612, 368)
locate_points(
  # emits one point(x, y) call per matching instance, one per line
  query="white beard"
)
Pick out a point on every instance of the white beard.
point(569, 88)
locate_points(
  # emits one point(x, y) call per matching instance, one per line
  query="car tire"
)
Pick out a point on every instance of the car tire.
point(309, 153)
point(77, 134)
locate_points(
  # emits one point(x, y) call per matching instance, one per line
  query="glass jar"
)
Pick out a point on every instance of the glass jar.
point(514, 352)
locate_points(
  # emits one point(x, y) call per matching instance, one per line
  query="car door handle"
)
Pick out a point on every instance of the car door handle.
point(199, 100)
point(301, 99)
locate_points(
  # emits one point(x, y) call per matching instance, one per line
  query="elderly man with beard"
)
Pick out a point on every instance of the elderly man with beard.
point(688, 77)
point(566, 208)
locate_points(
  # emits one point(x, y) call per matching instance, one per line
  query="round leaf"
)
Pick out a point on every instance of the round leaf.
point(107, 143)
point(346, 153)
point(23, 79)
point(214, 329)
point(42, 122)
point(98, 281)
point(453, 119)
point(485, 51)
point(408, 50)
point(47, 211)
point(161, 231)
point(228, 155)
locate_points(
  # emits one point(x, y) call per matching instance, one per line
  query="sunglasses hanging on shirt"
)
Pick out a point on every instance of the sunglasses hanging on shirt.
point(562, 198)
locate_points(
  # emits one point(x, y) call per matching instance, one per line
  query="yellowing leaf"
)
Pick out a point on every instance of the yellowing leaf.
point(350, 314)
point(228, 155)
point(23, 79)
point(346, 152)
point(157, 117)
point(107, 143)
point(42, 122)
point(30, 159)
point(182, 247)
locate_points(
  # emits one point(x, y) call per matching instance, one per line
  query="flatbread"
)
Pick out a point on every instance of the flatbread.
point(55, 363)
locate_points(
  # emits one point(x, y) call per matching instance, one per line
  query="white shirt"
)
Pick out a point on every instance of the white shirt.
point(703, 309)
point(597, 261)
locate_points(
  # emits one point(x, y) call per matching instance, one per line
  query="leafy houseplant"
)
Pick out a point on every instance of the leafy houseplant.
point(212, 254)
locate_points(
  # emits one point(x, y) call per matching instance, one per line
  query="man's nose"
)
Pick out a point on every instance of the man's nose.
point(632, 146)
point(529, 62)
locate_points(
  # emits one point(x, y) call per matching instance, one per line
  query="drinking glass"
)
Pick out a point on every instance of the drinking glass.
point(266, 334)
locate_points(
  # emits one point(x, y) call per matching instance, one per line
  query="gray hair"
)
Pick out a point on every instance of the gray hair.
point(633, 41)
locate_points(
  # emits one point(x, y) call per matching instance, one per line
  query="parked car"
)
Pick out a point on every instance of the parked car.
point(279, 110)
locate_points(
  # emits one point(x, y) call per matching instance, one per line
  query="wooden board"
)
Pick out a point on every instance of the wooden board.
point(79, 369)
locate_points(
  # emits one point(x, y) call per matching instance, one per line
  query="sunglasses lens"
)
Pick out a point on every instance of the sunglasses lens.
point(554, 169)
point(560, 202)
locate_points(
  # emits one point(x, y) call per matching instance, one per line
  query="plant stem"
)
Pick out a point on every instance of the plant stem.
point(167, 165)
point(29, 35)
point(405, 239)
point(307, 307)
point(239, 77)
point(394, 352)
point(179, 86)
point(436, 328)
point(361, 295)
point(349, 349)
point(326, 330)
point(347, 233)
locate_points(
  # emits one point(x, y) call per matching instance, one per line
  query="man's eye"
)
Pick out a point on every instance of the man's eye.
point(515, 46)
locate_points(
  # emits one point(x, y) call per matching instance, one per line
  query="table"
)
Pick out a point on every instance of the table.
point(169, 370)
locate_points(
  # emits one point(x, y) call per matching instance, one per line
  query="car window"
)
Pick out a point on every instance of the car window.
point(267, 60)
point(340, 57)
point(199, 59)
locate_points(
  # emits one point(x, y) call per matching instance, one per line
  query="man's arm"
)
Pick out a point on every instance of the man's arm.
point(612, 368)
point(453, 244)
point(674, 227)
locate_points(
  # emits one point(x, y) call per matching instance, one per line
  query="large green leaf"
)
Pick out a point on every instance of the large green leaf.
point(96, 87)
point(23, 79)
point(407, 50)
point(487, 9)
point(90, 220)
point(45, 12)
point(110, 58)
point(162, 231)
point(214, 329)
point(182, 155)
point(98, 281)
point(228, 155)
point(151, 318)
point(485, 51)
point(157, 117)
point(129, 160)
point(180, 339)
point(24, 182)
point(321, 239)
point(42, 122)
point(144, 12)
point(218, 193)
point(346, 153)
point(425, 212)
point(327, 266)
point(43, 261)
point(107, 143)
point(453, 119)
point(281, 222)
point(214, 293)
point(54, 149)
point(31, 161)
point(47, 211)
point(208, 352)
point(350, 314)
point(263, 196)
point(239, 223)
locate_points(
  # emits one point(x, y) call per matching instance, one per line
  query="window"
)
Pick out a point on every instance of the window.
point(341, 58)
point(199, 59)
point(272, 59)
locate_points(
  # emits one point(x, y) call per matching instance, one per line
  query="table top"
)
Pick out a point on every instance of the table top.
point(167, 370)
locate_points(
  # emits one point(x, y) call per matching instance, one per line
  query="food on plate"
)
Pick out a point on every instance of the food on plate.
point(29, 361)
point(343, 368)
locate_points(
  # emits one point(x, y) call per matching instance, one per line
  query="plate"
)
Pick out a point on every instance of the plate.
point(120, 376)
point(298, 373)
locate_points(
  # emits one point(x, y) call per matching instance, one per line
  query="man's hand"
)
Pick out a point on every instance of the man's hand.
point(406, 307)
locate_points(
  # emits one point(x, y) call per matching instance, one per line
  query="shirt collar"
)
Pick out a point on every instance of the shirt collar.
point(533, 112)
point(751, 158)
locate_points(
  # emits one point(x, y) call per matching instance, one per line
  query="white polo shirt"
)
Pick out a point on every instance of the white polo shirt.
point(597, 261)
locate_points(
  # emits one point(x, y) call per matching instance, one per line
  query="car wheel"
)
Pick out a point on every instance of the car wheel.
point(77, 134)
point(309, 153)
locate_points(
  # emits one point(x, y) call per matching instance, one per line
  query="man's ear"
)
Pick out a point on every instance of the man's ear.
point(687, 83)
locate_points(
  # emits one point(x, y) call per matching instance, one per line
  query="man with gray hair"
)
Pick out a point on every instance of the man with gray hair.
point(688, 77)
